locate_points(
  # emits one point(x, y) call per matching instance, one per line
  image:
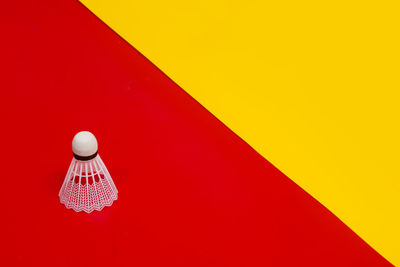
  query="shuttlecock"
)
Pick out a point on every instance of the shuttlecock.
point(88, 185)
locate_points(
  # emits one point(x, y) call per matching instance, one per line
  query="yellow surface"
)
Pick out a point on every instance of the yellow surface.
point(314, 86)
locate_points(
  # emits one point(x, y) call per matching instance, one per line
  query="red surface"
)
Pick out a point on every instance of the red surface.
point(191, 193)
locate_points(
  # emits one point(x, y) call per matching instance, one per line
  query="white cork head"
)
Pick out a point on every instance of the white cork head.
point(84, 144)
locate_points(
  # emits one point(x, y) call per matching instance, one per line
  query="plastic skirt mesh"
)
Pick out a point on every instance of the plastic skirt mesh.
point(88, 186)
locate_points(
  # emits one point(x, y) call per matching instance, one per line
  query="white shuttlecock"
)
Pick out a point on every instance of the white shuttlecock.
point(88, 185)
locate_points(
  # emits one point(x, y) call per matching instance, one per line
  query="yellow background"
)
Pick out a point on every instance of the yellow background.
point(311, 85)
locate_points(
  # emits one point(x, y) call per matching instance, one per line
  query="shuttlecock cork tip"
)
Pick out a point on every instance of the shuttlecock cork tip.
point(84, 146)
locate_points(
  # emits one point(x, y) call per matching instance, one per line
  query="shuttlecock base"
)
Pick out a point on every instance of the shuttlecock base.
point(88, 186)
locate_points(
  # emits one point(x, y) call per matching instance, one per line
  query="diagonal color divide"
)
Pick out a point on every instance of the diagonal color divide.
point(192, 193)
point(313, 86)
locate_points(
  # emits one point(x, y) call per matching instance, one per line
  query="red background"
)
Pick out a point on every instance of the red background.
point(191, 192)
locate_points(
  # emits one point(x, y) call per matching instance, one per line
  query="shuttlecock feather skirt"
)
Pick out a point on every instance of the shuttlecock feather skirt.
point(88, 186)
